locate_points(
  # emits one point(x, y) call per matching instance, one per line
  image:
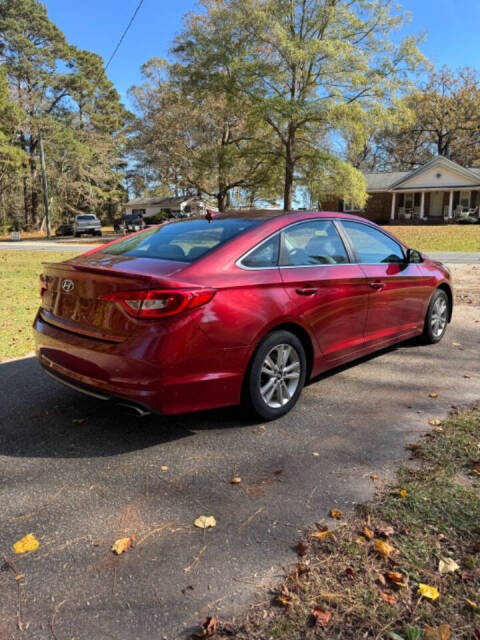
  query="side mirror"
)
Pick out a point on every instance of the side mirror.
point(414, 256)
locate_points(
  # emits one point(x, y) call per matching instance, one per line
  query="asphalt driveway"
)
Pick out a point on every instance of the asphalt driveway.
point(80, 474)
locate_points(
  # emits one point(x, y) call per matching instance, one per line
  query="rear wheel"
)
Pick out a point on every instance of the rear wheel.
point(437, 316)
point(276, 375)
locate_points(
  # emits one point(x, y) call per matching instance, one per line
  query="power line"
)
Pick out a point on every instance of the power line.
point(124, 34)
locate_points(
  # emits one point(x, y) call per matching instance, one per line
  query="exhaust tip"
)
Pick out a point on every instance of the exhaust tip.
point(133, 409)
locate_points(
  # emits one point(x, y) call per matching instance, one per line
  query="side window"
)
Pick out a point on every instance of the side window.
point(313, 242)
point(372, 246)
point(265, 255)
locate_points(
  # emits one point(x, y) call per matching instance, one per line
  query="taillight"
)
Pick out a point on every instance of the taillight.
point(159, 303)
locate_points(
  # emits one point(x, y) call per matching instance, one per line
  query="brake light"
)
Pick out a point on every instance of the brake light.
point(159, 303)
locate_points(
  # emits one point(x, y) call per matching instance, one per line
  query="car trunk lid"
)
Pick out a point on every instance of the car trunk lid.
point(72, 291)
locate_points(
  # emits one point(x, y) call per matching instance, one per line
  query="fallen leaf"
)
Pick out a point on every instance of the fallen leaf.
point(367, 533)
point(122, 544)
point(384, 530)
point(442, 632)
point(433, 394)
point(209, 627)
point(283, 600)
point(471, 603)
point(27, 543)
point(396, 577)
point(374, 476)
point(428, 591)
point(316, 454)
point(164, 467)
point(361, 540)
point(78, 420)
point(456, 344)
point(322, 535)
point(302, 547)
point(383, 548)
point(322, 617)
point(467, 376)
point(403, 493)
point(447, 565)
point(435, 422)
point(350, 572)
point(204, 522)
point(235, 480)
point(336, 514)
point(389, 598)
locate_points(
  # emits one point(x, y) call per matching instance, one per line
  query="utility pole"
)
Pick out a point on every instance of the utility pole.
point(44, 183)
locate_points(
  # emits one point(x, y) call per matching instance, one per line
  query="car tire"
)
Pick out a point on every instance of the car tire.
point(271, 387)
point(437, 317)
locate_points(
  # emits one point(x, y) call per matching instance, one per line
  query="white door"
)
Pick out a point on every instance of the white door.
point(436, 203)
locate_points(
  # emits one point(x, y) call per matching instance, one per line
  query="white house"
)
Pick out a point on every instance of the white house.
point(177, 206)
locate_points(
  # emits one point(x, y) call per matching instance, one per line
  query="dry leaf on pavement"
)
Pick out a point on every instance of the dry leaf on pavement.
point(235, 480)
point(435, 422)
point(433, 394)
point(336, 514)
point(122, 544)
point(209, 628)
point(302, 547)
point(447, 565)
point(322, 617)
point(27, 543)
point(427, 591)
point(322, 535)
point(204, 522)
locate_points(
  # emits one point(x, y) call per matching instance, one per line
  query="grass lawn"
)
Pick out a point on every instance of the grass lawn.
point(19, 298)
point(442, 238)
point(364, 579)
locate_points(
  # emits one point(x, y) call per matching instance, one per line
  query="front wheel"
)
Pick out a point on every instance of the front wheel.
point(437, 316)
point(276, 375)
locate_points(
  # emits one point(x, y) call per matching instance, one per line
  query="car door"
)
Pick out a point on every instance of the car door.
point(330, 293)
point(396, 301)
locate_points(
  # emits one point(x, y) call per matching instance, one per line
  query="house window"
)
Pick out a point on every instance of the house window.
point(465, 199)
point(348, 207)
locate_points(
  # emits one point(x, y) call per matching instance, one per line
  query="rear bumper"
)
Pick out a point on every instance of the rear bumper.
point(114, 371)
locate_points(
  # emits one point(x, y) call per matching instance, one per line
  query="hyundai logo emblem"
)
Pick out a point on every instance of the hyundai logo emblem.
point(67, 285)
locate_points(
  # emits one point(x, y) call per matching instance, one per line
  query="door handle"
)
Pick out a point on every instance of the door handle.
point(376, 285)
point(308, 291)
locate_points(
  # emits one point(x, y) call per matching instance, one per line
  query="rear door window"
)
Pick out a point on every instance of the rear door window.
point(264, 256)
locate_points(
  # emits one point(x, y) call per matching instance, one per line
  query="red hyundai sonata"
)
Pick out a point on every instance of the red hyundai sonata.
point(205, 313)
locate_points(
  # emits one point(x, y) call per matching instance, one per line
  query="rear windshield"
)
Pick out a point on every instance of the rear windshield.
point(87, 217)
point(183, 241)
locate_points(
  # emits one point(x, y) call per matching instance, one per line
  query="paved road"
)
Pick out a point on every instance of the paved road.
point(79, 474)
point(455, 257)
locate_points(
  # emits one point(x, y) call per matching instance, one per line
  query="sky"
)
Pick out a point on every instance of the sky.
point(451, 28)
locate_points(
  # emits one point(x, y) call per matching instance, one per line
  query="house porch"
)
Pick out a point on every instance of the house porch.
point(433, 205)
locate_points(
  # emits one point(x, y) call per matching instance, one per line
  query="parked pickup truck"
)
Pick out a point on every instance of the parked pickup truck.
point(87, 223)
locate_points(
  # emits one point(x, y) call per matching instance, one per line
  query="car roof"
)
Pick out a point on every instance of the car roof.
point(277, 214)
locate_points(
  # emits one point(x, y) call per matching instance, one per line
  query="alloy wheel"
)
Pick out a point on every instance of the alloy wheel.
point(280, 375)
point(438, 318)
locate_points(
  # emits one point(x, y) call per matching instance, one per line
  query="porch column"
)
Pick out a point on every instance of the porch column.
point(392, 212)
point(450, 205)
point(422, 204)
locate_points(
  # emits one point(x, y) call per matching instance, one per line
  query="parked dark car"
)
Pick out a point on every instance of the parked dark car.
point(64, 229)
point(133, 222)
point(203, 313)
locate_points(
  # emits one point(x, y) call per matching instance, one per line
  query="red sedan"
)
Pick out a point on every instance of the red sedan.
point(205, 313)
